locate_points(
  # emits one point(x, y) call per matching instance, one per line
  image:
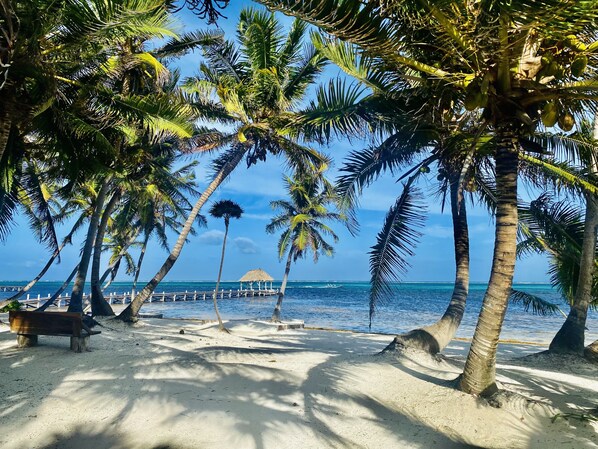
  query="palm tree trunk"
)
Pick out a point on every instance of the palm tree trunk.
point(112, 270)
point(434, 338)
point(479, 374)
point(40, 275)
point(99, 306)
point(570, 338)
point(283, 287)
point(139, 262)
point(591, 352)
point(5, 127)
point(58, 292)
point(130, 313)
point(76, 304)
point(65, 241)
point(215, 296)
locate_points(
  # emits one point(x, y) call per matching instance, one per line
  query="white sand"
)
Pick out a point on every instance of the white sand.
point(152, 387)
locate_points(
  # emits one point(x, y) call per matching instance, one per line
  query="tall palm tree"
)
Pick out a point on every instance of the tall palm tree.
point(161, 203)
point(512, 60)
point(302, 219)
point(226, 209)
point(254, 87)
point(414, 134)
point(136, 78)
point(557, 228)
point(571, 336)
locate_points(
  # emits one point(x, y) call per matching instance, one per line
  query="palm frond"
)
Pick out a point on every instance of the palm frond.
point(537, 305)
point(395, 243)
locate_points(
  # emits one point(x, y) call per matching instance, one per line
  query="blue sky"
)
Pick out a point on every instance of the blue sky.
point(250, 247)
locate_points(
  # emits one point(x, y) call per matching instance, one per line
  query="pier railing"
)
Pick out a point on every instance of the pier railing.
point(11, 288)
point(125, 298)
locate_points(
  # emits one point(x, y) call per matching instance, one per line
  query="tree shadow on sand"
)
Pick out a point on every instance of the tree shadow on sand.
point(88, 437)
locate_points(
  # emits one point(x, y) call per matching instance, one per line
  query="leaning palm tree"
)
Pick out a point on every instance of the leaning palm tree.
point(160, 203)
point(557, 228)
point(518, 62)
point(254, 87)
point(571, 336)
point(226, 209)
point(302, 219)
point(136, 78)
point(414, 135)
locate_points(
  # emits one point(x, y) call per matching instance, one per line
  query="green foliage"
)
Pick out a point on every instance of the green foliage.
point(253, 85)
point(589, 416)
point(302, 218)
point(226, 209)
point(538, 305)
point(395, 243)
point(13, 305)
point(555, 228)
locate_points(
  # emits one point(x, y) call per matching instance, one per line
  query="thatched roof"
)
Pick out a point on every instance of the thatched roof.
point(258, 275)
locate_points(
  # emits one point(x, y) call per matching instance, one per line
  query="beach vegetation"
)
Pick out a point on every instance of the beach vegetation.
point(225, 209)
point(303, 218)
point(409, 135)
point(506, 60)
point(12, 305)
point(253, 92)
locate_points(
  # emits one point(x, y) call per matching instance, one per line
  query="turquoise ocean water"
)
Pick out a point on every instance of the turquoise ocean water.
point(344, 305)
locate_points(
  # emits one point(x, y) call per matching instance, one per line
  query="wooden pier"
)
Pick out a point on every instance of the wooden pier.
point(125, 298)
point(11, 288)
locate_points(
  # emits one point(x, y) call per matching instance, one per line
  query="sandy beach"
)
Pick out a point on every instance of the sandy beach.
point(153, 386)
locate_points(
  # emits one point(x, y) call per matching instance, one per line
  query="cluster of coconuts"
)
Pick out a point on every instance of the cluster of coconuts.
point(573, 52)
point(552, 114)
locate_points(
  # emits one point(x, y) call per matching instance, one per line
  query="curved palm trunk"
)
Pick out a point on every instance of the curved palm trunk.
point(58, 292)
point(99, 306)
point(479, 374)
point(65, 241)
point(39, 276)
point(283, 287)
point(130, 313)
point(215, 296)
point(434, 338)
point(76, 304)
point(591, 352)
point(570, 338)
point(138, 267)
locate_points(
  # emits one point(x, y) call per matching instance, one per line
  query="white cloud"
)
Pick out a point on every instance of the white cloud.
point(211, 238)
point(246, 245)
point(437, 231)
point(262, 217)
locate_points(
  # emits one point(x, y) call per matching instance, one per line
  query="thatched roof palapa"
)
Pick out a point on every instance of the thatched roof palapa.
point(258, 275)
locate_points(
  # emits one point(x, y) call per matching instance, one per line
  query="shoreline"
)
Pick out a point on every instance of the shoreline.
point(152, 386)
point(119, 307)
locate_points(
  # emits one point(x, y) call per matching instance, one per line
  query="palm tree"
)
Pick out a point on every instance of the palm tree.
point(571, 336)
point(226, 209)
point(160, 203)
point(254, 89)
point(302, 219)
point(511, 60)
point(136, 78)
point(557, 228)
point(412, 140)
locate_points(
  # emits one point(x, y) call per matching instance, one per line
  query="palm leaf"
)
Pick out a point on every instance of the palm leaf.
point(538, 305)
point(394, 244)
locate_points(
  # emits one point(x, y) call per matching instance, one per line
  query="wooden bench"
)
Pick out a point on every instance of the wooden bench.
point(28, 325)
